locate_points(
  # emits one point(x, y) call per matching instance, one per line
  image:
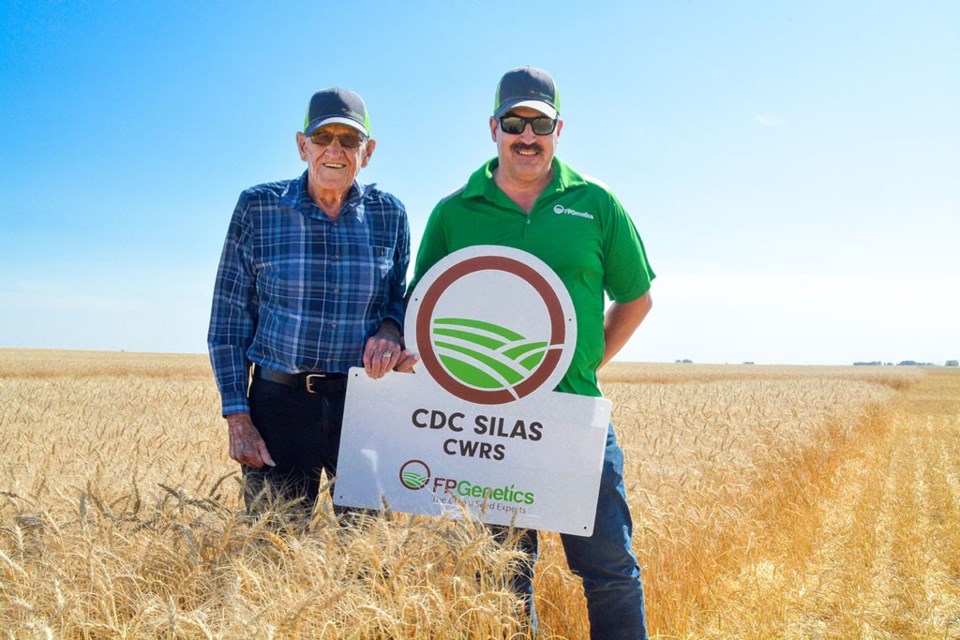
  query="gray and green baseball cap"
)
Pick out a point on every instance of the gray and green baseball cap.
point(527, 87)
point(336, 106)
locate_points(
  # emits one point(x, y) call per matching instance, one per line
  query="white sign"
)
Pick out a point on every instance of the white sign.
point(477, 428)
point(533, 464)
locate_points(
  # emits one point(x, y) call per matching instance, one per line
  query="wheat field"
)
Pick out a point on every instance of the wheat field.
point(769, 502)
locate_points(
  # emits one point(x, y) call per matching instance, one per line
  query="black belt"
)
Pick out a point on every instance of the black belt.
point(316, 382)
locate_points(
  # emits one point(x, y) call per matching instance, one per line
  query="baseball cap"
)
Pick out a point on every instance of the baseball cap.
point(336, 106)
point(527, 87)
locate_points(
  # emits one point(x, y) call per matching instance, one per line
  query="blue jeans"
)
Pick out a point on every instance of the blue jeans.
point(604, 561)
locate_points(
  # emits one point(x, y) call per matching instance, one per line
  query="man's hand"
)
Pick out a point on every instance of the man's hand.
point(406, 361)
point(246, 445)
point(384, 352)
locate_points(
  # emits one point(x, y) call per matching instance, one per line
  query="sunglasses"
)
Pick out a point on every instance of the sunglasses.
point(347, 140)
point(514, 125)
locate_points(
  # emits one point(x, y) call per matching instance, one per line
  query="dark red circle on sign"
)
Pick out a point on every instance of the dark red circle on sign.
point(415, 462)
point(490, 263)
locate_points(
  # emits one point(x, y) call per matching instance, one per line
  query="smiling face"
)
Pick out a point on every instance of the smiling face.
point(332, 168)
point(525, 157)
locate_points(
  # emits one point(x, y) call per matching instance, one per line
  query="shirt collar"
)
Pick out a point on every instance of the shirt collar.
point(482, 185)
point(296, 196)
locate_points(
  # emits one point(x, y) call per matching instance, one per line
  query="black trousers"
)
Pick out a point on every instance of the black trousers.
point(302, 434)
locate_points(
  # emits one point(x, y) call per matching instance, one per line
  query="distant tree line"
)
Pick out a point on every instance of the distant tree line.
point(905, 363)
point(873, 363)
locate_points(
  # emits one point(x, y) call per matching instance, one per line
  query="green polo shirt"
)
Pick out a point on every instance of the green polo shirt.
point(576, 226)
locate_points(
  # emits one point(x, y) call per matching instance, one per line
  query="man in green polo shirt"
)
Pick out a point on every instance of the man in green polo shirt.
point(528, 199)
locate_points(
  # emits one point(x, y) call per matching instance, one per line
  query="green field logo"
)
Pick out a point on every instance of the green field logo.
point(492, 324)
point(414, 474)
point(485, 355)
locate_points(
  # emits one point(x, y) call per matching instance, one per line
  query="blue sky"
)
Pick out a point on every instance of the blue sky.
point(792, 166)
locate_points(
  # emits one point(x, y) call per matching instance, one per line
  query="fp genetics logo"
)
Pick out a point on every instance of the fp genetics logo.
point(560, 209)
point(492, 324)
point(414, 474)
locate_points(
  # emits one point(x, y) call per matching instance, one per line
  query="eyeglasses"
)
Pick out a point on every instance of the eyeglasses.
point(514, 125)
point(347, 140)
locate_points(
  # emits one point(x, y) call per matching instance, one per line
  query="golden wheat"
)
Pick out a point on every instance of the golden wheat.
point(768, 502)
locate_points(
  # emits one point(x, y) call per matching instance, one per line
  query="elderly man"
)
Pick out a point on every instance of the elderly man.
point(310, 283)
point(528, 199)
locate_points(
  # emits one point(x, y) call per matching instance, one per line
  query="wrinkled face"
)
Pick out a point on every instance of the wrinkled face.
point(525, 157)
point(332, 167)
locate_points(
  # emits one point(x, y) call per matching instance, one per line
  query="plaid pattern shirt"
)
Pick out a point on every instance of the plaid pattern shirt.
point(297, 291)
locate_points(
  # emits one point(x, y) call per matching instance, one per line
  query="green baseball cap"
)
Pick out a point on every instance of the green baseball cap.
point(527, 87)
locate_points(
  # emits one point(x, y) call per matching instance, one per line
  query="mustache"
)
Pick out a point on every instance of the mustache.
point(522, 146)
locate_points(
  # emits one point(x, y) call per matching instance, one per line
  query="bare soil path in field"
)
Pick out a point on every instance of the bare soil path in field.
point(884, 560)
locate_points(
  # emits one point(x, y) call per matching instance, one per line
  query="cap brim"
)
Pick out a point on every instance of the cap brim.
point(316, 124)
point(537, 105)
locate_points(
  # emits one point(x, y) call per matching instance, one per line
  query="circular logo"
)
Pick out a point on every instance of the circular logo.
point(492, 324)
point(414, 474)
point(558, 208)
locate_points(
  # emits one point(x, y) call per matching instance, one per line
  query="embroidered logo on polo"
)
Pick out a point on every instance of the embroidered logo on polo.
point(559, 209)
point(492, 353)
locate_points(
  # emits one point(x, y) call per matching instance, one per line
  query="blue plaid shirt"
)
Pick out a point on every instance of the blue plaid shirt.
point(297, 291)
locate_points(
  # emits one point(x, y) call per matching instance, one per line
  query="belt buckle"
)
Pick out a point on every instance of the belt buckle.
point(311, 378)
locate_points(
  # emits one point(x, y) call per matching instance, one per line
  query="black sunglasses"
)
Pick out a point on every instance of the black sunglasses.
point(514, 125)
point(347, 140)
